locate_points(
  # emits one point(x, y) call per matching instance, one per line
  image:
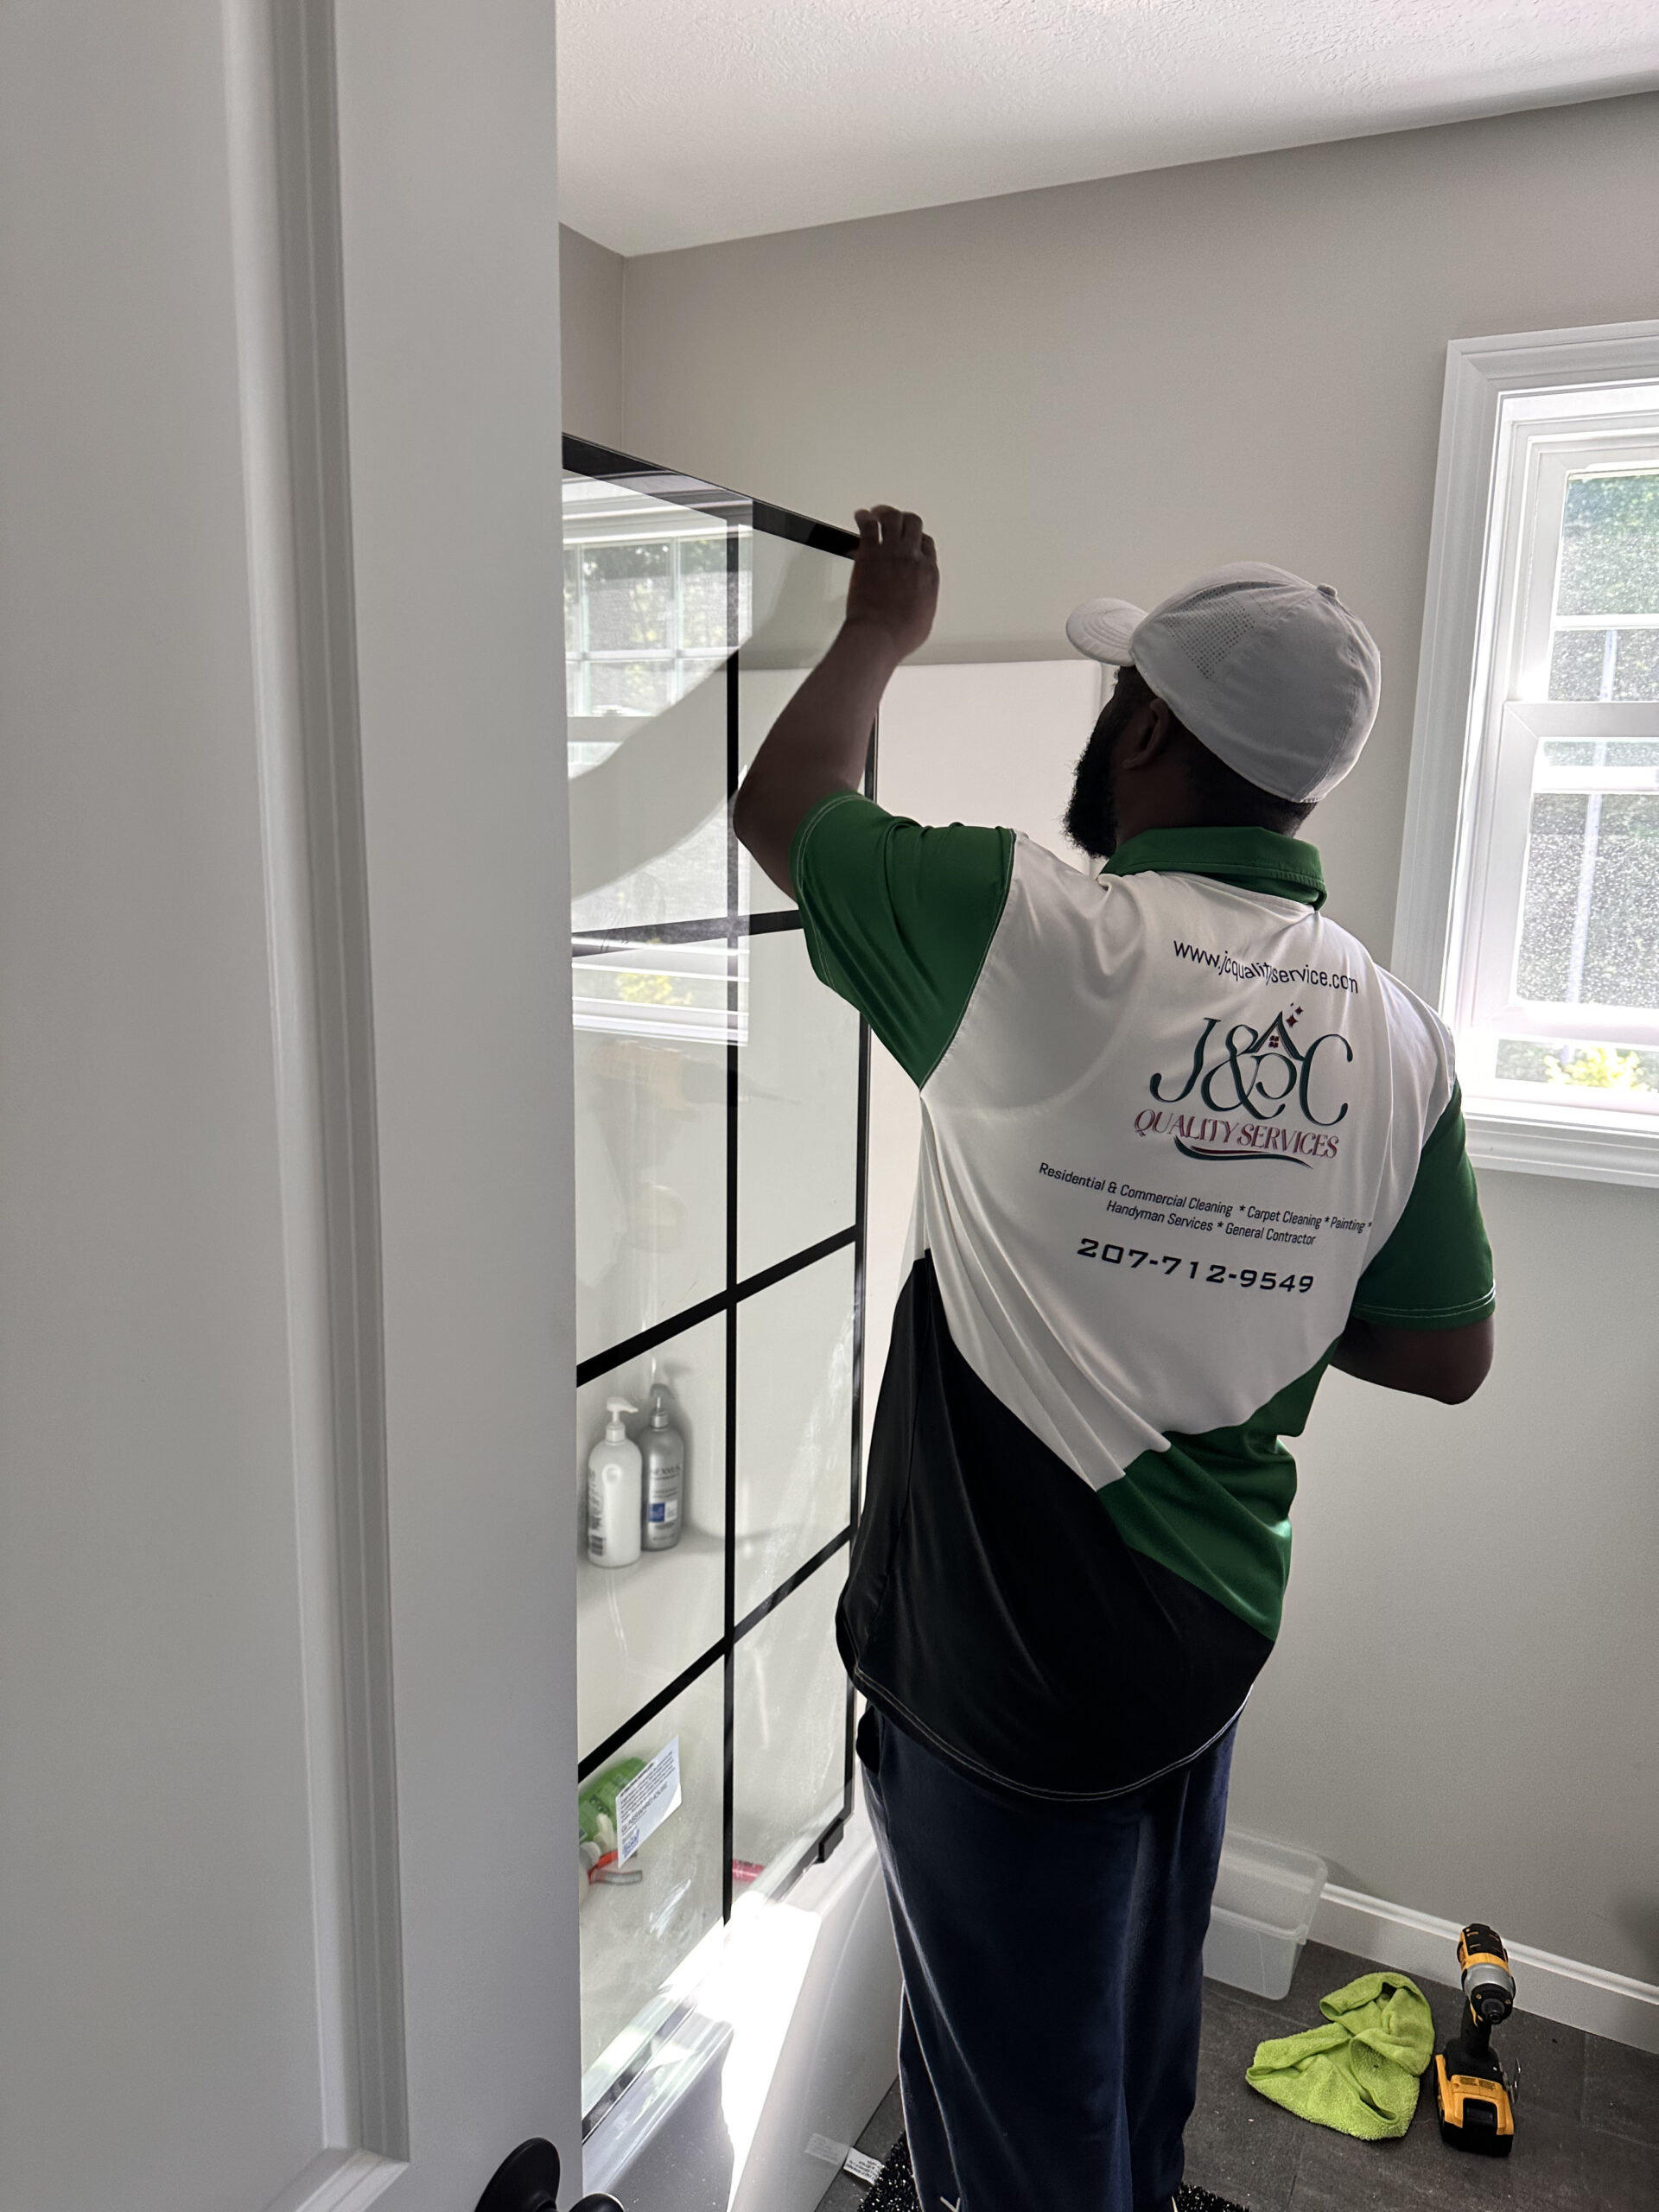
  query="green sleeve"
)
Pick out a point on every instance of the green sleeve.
point(898, 919)
point(1435, 1271)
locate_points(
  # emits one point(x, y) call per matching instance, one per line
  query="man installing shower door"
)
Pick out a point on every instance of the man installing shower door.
point(1184, 1145)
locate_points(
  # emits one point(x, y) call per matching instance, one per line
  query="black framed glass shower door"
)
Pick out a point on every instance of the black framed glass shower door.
point(720, 1115)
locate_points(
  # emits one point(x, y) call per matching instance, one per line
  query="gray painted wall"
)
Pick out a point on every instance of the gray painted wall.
point(590, 310)
point(1108, 387)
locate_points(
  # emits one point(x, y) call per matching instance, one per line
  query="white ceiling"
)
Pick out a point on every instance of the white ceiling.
point(683, 121)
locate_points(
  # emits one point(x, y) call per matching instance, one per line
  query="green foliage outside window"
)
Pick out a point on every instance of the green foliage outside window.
point(1601, 1067)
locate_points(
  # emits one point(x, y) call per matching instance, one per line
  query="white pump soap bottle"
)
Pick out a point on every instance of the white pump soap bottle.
point(614, 1492)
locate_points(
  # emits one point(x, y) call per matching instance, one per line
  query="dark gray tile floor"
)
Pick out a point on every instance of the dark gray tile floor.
point(1587, 2120)
point(887, 2126)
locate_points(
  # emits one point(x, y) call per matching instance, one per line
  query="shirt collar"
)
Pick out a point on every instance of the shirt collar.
point(1253, 860)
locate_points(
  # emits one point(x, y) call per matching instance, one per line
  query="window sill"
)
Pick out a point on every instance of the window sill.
point(1589, 1148)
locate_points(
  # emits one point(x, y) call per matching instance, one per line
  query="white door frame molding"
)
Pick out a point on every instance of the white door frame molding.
point(287, 1902)
point(361, 309)
point(448, 166)
point(284, 204)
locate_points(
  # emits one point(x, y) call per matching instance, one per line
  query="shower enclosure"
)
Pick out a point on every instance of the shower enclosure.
point(721, 1111)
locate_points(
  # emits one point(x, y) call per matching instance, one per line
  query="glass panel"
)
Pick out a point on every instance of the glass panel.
point(1610, 545)
point(651, 610)
point(1609, 568)
point(1577, 665)
point(794, 1423)
point(789, 1728)
point(1613, 664)
point(1590, 909)
point(1616, 752)
point(637, 688)
point(658, 600)
point(1635, 672)
point(669, 990)
point(651, 1153)
point(800, 595)
point(797, 1120)
point(705, 593)
point(634, 1934)
point(1567, 1071)
point(639, 1627)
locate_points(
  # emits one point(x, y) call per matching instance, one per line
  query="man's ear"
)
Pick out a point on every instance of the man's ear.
point(1147, 737)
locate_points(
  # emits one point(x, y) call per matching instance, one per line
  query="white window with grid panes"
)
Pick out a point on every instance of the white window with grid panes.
point(1529, 908)
point(645, 619)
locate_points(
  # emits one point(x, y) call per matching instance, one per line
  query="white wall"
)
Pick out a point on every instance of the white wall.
point(1106, 388)
point(590, 315)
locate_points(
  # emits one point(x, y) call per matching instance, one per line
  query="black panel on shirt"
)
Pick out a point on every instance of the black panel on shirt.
point(993, 1612)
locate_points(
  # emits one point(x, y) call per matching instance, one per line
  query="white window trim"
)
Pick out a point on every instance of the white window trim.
point(1459, 619)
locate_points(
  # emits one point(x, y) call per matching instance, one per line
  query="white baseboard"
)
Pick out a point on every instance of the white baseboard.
point(1567, 1990)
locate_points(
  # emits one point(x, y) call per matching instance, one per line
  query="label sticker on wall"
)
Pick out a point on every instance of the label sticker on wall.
point(644, 1803)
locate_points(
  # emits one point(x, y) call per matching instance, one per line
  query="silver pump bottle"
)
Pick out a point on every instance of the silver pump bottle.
point(663, 1492)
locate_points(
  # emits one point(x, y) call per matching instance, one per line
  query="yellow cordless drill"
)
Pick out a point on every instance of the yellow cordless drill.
point(1477, 2113)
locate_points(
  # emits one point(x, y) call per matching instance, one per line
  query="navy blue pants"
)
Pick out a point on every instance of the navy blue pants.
point(1052, 1962)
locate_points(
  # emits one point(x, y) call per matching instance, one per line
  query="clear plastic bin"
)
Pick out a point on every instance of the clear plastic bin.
point(1266, 1897)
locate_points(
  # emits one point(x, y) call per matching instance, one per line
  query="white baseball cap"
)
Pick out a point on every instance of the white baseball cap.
point(1272, 673)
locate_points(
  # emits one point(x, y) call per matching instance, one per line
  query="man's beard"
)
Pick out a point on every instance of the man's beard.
point(1091, 812)
point(1091, 815)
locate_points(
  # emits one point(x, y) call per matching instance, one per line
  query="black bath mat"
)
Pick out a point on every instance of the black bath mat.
point(895, 2191)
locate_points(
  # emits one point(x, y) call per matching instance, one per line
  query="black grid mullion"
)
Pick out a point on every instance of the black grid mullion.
point(789, 1585)
point(648, 1711)
point(860, 1225)
point(601, 1363)
point(734, 882)
point(618, 1355)
point(586, 944)
point(728, 1641)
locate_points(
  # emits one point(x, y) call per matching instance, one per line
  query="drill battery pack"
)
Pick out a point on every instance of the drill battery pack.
point(1475, 2114)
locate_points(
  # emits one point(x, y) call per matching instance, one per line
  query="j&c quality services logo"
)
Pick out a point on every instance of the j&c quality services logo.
point(1253, 1093)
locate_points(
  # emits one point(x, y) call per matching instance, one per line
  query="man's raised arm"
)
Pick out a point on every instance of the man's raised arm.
point(821, 740)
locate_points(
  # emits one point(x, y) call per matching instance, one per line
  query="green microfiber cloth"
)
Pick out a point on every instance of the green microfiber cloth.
point(1359, 2074)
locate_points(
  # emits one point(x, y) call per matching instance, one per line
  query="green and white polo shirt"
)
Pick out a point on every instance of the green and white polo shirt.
point(1177, 1127)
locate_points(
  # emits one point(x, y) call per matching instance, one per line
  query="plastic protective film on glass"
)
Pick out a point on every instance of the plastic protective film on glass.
point(799, 596)
point(797, 1108)
point(639, 1627)
point(790, 1735)
point(703, 1050)
point(650, 1148)
point(639, 1920)
point(794, 1424)
point(656, 598)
